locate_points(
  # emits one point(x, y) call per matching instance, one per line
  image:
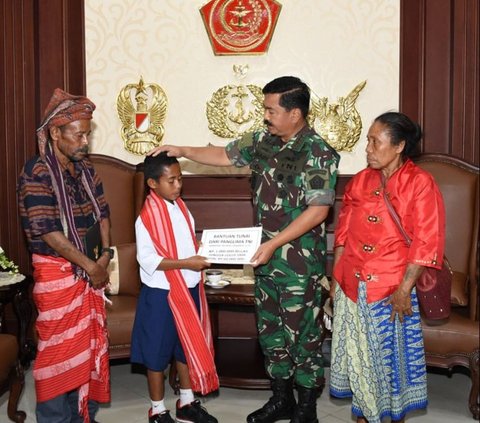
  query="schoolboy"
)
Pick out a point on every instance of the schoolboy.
point(167, 322)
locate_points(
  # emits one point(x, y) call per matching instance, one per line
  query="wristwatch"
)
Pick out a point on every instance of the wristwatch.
point(109, 251)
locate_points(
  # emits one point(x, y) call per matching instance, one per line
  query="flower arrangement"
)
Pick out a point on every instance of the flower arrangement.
point(7, 265)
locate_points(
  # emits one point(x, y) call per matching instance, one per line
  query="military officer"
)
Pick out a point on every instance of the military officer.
point(293, 179)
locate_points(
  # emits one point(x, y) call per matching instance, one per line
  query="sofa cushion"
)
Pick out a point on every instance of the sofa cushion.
point(459, 289)
point(123, 269)
point(461, 333)
point(120, 317)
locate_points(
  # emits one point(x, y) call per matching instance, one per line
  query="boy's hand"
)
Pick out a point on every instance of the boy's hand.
point(196, 263)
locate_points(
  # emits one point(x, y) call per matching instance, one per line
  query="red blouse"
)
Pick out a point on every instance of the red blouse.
point(375, 250)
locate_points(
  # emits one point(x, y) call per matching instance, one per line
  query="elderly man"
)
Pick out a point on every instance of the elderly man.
point(293, 178)
point(60, 198)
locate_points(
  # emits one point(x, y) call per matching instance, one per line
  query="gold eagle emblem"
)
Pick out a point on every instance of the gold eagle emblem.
point(142, 109)
point(339, 123)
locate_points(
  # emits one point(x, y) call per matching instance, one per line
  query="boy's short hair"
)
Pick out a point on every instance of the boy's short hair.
point(153, 166)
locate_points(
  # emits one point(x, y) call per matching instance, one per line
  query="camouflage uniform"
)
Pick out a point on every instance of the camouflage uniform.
point(286, 178)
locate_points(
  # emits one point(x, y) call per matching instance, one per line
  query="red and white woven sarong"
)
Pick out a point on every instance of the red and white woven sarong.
point(72, 350)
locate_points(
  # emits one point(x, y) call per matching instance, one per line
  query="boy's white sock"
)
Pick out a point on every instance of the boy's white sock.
point(186, 397)
point(158, 407)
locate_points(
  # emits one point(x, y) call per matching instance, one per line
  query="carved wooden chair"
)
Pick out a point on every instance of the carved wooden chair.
point(11, 376)
point(456, 342)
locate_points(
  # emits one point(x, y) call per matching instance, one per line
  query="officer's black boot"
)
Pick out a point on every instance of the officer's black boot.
point(306, 409)
point(279, 406)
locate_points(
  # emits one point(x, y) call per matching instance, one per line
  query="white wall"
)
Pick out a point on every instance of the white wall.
point(331, 44)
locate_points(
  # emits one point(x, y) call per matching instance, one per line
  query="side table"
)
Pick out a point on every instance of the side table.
point(238, 356)
point(14, 290)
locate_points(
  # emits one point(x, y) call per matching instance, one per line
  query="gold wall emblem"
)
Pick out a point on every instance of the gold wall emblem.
point(235, 109)
point(338, 123)
point(142, 109)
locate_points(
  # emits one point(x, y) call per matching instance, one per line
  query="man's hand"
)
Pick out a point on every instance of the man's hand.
point(263, 254)
point(172, 151)
point(104, 260)
point(98, 274)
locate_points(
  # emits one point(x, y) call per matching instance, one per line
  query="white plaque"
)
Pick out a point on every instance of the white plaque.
point(230, 246)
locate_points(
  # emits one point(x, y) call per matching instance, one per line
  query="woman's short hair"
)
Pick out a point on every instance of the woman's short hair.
point(153, 166)
point(402, 128)
point(295, 94)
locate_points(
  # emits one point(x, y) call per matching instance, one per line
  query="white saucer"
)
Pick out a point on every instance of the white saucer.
point(218, 285)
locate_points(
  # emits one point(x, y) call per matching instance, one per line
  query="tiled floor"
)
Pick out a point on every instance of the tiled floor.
point(447, 396)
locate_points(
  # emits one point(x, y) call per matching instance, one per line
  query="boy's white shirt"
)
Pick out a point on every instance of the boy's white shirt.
point(149, 259)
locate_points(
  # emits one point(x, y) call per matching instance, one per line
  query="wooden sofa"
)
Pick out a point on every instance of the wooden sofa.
point(11, 376)
point(456, 342)
point(219, 201)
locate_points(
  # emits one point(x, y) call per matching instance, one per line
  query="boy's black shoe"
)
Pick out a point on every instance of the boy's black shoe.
point(163, 417)
point(193, 413)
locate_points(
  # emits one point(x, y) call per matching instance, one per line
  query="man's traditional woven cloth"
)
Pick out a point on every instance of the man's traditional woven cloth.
point(194, 333)
point(62, 109)
point(72, 350)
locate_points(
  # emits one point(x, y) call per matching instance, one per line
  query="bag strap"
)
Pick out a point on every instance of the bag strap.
point(396, 219)
point(393, 213)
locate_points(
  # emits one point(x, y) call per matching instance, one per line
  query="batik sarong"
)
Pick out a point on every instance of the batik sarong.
point(380, 364)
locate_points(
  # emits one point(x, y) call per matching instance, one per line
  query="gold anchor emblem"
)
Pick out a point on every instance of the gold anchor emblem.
point(240, 12)
point(142, 125)
point(235, 109)
point(241, 116)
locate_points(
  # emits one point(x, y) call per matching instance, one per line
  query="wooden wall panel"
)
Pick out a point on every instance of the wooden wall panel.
point(466, 79)
point(17, 114)
point(61, 48)
point(439, 73)
point(42, 48)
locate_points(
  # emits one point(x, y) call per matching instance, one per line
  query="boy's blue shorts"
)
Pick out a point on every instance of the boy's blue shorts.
point(154, 337)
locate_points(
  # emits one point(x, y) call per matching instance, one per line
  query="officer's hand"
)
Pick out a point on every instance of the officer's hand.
point(172, 151)
point(263, 254)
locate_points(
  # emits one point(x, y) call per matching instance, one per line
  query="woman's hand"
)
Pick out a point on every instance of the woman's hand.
point(333, 284)
point(401, 303)
point(400, 299)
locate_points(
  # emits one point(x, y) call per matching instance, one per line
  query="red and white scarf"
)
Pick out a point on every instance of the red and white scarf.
point(195, 333)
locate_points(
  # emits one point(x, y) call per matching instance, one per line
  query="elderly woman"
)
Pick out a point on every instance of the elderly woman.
point(377, 347)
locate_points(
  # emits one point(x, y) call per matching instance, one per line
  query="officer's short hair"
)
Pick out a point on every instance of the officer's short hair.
point(295, 93)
